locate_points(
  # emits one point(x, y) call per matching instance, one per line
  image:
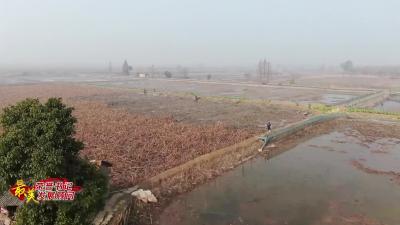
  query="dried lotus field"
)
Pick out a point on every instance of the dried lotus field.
point(143, 135)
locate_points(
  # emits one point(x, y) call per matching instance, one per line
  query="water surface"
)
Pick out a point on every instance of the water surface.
point(389, 106)
point(314, 183)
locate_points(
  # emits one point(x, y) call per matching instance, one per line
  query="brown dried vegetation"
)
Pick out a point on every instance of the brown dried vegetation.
point(12, 94)
point(137, 145)
point(141, 146)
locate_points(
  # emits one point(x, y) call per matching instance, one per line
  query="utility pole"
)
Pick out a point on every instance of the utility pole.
point(109, 67)
point(264, 69)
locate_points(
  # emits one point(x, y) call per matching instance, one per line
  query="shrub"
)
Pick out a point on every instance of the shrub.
point(37, 143)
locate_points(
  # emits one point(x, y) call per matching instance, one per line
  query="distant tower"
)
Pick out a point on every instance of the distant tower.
point(126, 68)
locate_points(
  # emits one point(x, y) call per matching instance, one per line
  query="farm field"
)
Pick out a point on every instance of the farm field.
point(241, 90)
point(142, 135)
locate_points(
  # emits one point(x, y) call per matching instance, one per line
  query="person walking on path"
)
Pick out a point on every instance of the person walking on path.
point(266, 138)
point(268, 126)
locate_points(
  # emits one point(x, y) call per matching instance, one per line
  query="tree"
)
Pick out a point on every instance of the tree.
point(209, 76)
point(247, 76)
point(168, 74)
point(37, 143)
point(264, 70)
point(347, 66)
point(126, 68)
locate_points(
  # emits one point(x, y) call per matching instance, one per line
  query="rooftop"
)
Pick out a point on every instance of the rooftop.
point(6, 199)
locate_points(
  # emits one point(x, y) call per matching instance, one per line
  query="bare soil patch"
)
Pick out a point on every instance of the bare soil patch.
point(232, 89)
point(12, 94)
point(238, 114)
point(395, 176)
point(349, 81)
point(370, 131)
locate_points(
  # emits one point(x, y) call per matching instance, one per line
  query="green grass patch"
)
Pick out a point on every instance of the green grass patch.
point(372, 111)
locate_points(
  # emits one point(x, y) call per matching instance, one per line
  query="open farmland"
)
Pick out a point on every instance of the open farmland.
point(295, 94)
point(234, 113)
point(12, 94)
point(145, 135)
point(140, 146)
point(354, 81)
point(147, 131)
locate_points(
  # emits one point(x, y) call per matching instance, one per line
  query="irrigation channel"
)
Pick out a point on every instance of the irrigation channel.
point(333, 178)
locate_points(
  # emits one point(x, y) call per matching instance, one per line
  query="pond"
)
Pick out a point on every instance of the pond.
point(331, 179)
point(332, 99)
point(389, 106)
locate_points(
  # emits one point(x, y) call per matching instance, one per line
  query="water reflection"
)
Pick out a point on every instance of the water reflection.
point(314, 183)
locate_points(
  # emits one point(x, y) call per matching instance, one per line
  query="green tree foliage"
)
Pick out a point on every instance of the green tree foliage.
point(347, 66)
point(168, 74)
point(37, 143)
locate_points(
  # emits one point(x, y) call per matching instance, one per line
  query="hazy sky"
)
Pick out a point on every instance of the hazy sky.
point(209, 32)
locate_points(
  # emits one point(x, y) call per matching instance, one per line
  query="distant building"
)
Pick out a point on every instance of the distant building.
point(126, 68)
point(143, 75)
